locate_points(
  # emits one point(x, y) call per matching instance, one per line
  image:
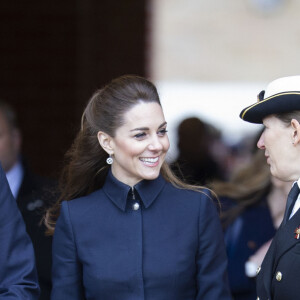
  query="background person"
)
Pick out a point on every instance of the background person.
point(195, 163)
point(253, 204)
point(129, 229)
point(30, 193)
point(278, 108)
point(18, 278)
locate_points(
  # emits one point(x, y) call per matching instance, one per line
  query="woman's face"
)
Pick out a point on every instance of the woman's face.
point(140, 145)
point(277, 141)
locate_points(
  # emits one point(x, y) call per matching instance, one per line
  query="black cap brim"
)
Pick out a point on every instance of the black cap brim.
point(279, 103)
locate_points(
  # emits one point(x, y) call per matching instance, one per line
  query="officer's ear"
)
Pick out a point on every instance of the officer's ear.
point(296, 131)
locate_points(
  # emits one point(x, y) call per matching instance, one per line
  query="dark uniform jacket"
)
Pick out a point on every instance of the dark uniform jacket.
point(18, 278)
point(155, 242)
point(32, 198)
point(279, 276)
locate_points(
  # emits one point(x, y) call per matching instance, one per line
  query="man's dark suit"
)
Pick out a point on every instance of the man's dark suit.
point(279, 276)
point(18, 278)
point(32, 197)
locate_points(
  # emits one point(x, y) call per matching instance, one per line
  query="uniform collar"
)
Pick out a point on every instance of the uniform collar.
point(14, 177)
point(117, 191)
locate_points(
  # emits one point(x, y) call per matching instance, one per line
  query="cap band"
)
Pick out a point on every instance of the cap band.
point(267, 99)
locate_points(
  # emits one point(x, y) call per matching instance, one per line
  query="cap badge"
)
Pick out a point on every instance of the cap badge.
point(260, 96)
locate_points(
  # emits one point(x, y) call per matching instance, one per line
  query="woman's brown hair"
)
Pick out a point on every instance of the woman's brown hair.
point(247, 186)
point(86, 169)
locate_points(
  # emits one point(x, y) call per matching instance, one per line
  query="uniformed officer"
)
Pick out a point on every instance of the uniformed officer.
point(278, 108)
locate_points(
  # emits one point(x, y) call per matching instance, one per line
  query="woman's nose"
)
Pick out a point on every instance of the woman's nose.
point(155, 144)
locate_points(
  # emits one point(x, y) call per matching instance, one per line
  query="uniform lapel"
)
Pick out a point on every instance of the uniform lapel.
point(286, 237)
point(283, 240)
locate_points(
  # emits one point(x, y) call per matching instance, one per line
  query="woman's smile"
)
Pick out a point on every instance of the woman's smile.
point(150, 161)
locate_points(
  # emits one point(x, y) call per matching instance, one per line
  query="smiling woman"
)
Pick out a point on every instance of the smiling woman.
point(125, 226)
point(140, 145)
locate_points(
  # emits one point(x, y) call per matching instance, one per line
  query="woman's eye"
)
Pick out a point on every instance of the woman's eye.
point(162, 132)
point(140, 135)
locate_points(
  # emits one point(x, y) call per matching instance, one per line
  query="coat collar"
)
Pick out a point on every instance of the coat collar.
point(117, 191)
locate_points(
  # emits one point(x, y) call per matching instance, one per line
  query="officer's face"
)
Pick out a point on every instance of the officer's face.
point(277, 141)
point(140, 145)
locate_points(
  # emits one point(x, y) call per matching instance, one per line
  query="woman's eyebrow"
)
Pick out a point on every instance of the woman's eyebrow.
point(162, 125)
point(140, 129)
point(147, 128)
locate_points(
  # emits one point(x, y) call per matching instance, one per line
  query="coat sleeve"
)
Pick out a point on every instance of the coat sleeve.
point(212, 280)
point(66, 268)
point(18, 277)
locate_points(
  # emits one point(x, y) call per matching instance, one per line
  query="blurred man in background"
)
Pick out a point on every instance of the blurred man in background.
point(29, 191)
point(18, 278)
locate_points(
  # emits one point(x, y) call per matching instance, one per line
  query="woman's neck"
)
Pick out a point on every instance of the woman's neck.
point(276, 200)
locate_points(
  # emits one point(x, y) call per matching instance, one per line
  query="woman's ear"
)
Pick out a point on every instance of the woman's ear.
point(105, 142)
point(296, 131)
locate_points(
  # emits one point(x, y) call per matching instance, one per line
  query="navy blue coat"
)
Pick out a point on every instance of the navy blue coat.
point(18, 277)
point(170, 248)
point(32, 199)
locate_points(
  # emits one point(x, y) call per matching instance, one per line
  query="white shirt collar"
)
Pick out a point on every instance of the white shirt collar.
point(297, 203)
point(14, 177)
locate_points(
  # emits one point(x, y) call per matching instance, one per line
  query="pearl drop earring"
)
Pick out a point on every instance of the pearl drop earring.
point(109, 160)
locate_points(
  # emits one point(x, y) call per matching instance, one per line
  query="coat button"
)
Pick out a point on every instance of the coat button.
point(135, 206)
point(258, 270)
point(278, 276)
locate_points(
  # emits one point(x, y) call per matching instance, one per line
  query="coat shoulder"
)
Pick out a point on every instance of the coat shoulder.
point(80, 202)
point(196, 198)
